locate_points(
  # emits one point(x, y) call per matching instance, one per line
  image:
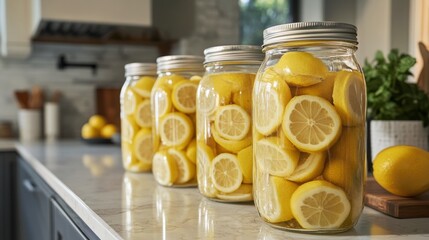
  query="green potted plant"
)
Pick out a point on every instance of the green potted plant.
point(398, 110)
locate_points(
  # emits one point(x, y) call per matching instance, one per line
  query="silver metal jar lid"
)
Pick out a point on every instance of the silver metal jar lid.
point(185, 62)
point(242, 53)
point(310, 31)
point(132, 69)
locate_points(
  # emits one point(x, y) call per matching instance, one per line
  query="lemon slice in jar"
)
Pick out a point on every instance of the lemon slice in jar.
point(311, 123)
point(131, 101)
point(301, 69)
point(176, 130)
point(186, 169)
point(144, 86)
point(205, 156)
point(143, 114)
point(164, 169)
point(143, 145)
point(274, 197)
point(320, 205)
point(161, 99)
point(349, 97)
point(245, 161)
point(270, 95)
point(275, 159)
point(243, 193)
point(184, 96)
point(225, 173)
point(310, 166)
point(230, 145)
point(232, 122)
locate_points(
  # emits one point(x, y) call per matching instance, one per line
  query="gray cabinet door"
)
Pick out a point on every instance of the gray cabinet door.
point(33, 210)
point(63, 227)
point(7, 195)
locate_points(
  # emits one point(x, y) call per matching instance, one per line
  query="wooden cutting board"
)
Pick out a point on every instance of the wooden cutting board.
point(400, 207)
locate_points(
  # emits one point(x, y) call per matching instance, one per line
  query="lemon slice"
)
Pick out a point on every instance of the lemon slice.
point(205, 156)
point(349, 97)
point(128, 129)
point(164, 169)
point(130, 101)
point(207, 100)
point(191, 151)
point(142, 145)
point(245, 161)
point(243, 193)
point(320, 205)
point(275, 159)
point(301, 69)
point(195, 78)
point(185, 167)
point(144, 86)
point(232, 122)
point(310, 166)
point(161, 101)
point(128, 157)
point(231, 145)
point(143, 114)
point(270, 96)
point(184, 96)
point(140, 167)
point(345, 166)
point(323, 89)
point(225, 173)
point(274, 195)
point(176, 130)
point(311, 123)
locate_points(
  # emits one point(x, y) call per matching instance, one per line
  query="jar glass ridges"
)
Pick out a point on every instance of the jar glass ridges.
point(173, 111)
point(136, 119)
point(309, 102)
point(224, 129)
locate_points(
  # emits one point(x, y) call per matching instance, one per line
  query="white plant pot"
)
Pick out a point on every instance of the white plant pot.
point(389, 133)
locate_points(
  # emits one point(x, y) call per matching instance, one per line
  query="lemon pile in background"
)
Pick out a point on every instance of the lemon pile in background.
point(97, 127)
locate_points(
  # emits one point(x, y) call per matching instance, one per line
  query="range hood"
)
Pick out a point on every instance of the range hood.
point(23, 22)
point(92, 21)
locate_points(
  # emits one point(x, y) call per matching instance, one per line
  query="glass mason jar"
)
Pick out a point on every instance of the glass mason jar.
point(173, 117)
point(224, 129)
point(136, 119)
point(309, 102)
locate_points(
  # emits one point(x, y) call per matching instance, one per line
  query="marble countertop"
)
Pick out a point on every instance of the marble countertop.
point(7, 144)
point(121, 205)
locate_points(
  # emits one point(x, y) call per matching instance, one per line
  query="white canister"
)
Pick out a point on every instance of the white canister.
point(29, 124)
point(52, 123)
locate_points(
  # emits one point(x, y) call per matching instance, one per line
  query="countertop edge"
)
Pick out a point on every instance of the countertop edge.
point(88, 216)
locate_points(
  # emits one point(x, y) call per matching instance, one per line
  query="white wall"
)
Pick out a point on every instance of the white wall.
point(382, 24)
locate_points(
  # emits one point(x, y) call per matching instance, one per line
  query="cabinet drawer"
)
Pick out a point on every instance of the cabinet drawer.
point(63, 228)
point(34, 211)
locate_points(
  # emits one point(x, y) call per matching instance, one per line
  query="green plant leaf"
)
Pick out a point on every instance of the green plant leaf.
point(389, 95)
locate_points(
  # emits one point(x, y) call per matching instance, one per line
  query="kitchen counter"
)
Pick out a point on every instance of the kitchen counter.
point(7, 145)
point(117, 204)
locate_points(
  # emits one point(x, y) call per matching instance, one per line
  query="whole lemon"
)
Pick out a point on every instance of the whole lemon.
point(108, 130)
point(402, 170)
point(89, 131)
point(97, 121)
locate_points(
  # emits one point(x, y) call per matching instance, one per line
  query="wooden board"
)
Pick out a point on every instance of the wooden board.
point(400, 207)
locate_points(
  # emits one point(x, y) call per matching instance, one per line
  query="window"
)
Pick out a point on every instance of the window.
point(257, 15)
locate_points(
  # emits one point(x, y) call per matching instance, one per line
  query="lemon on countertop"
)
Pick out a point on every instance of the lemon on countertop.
point(402, 170)
point(97, 121)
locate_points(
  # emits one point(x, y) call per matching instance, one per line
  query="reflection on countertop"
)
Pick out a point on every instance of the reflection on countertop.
point(116, 204)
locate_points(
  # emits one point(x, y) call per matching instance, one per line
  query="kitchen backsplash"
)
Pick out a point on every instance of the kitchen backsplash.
point(216, 23)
